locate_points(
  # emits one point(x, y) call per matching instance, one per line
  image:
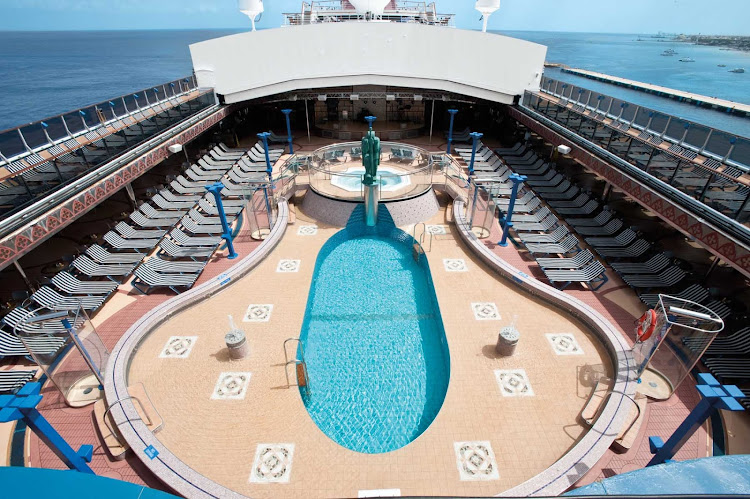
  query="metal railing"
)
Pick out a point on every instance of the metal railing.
point(721, 146)
point(26, 140)
point(61, 192)
point(323, 11)
point(730, 226)
point(722, 190)
point(28, 186)
point(331, 171)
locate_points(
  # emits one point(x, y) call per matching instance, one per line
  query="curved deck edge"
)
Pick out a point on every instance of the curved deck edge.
point(165, 465)
point(571, 467)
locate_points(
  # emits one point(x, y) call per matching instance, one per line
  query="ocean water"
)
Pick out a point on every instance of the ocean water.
point(373, 341)
point(624, 56)
point(46, 73)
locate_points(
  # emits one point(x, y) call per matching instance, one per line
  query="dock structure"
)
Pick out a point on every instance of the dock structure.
point(728, 106)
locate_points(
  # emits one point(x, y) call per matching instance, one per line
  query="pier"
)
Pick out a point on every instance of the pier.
point(697, 99)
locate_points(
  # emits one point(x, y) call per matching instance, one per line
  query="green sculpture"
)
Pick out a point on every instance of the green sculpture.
point(370, 155)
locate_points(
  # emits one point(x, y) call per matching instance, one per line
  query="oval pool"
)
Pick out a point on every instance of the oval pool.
point(373, 340)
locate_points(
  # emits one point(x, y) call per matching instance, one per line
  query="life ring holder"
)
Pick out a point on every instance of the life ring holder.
point(646, 325)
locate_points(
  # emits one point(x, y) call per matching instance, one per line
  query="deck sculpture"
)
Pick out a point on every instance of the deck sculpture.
point(371, 161)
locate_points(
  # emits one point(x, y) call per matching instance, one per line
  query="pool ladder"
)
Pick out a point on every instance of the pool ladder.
point(418, 249)
point(303, 379)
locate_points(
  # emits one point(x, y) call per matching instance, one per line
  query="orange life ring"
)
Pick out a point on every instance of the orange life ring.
point(646, 325)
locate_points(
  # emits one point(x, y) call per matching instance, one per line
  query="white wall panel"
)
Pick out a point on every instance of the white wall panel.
point(266, 62)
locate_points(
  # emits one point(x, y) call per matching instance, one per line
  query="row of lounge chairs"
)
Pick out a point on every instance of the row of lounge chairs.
point(605, 233)
point(183, 252)
point(728, 357)
point(163, 224)
point(535, 226)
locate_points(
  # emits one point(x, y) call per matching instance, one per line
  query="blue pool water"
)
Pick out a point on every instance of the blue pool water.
point(387, 180)
point(373, 340)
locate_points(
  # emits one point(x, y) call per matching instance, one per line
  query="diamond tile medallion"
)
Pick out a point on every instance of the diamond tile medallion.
point(437, 230)
point(307, 230)
point(178, 347)
point(258, 313)
point(564, 344)
point(231, 386)
point(485, 311)
point(455, 265)
point(288, 266)
point(513, 383)
point(476, 461)
point(272, 464)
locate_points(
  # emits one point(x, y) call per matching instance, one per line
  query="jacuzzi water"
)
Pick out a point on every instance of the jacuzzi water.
point(373, 341)
point(389, 180)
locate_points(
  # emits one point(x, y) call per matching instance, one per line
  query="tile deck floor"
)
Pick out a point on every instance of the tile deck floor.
point(474, 410)
point(344, 473)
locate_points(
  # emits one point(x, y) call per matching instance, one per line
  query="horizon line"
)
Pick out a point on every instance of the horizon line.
point(235, 28)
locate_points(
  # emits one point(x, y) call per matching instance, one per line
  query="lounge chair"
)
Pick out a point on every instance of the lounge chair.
point(733, 344)
point(86, 266)
point(12, 346)
point(725, 369)
point(622, 239)
point(517, 148)
point(664, 279)
point(167, 247)
point(142, 221)
point(568, 245)
point(548, 223)
point(579, 200)
point(147, 279)
point(67, 283)
point(535, 217)
point(173, 266)
point(17, 319)
point(173, 206)
point(555, 236)
point(590, 207)
point(597, 221)
point(118, 242)
point(612, 227)
point(192, 241)
point(578, 261)
point(100, 255)
point(208, 205)
point(51, 299)
point(129, 232)
point(635, 250)
point(12, 381)
point(150, 212)
point(655, 264)
point(593, 273)
point(194, 227)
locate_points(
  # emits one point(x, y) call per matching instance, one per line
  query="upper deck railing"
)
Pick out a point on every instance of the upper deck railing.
point(407, 11)
point(19, 147)
point(719, 146)
point(50, 156)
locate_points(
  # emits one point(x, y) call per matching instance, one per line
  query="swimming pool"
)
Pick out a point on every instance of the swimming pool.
point(389, 179)
point(373, 340)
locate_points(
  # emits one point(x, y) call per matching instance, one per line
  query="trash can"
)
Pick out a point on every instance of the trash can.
point(236, 341)
point(507, 341)
point(237, 344)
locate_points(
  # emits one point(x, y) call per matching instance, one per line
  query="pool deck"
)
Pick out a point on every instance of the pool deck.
point(524, 433)
point(219, 438)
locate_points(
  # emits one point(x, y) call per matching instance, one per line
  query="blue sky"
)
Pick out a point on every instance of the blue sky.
point(619, 16)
